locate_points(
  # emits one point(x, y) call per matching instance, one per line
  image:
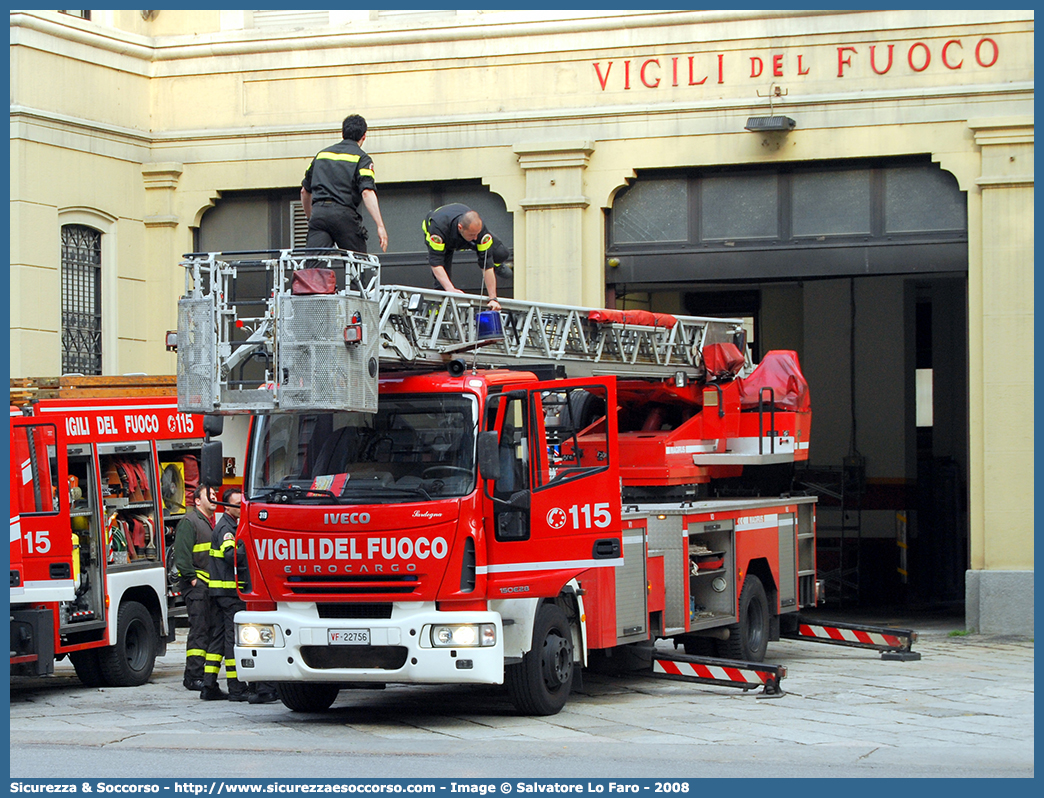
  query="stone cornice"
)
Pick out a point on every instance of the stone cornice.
point(246, 42)
point(1002, 130)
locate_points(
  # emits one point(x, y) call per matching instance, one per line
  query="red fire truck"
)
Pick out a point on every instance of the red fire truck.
point(522, 494)
point(98, 474)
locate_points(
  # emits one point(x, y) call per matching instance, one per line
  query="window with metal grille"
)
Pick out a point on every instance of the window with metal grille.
point(81, 300)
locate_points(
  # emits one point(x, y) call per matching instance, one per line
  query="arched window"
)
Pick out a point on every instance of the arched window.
point(81, 300)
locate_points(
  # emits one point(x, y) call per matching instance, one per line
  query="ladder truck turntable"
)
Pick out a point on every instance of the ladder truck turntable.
point(98, 467)
point(437, 493)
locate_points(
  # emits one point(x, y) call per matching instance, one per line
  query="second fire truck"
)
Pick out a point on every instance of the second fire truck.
point(99, 469)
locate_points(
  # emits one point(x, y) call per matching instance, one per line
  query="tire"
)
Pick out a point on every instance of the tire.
point(584, 408)
point(130, 661)
point(540, 684)
point(88, 669)
point(748, 639)
point(307, 697)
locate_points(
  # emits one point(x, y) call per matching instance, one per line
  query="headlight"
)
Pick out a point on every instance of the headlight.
point(255, 634)
point(465, 635)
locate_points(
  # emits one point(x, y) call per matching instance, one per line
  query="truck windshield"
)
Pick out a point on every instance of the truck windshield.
point(416, 447)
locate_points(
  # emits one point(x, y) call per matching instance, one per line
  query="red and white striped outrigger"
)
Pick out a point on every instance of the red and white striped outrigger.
point(894, 644)
point(722, 672)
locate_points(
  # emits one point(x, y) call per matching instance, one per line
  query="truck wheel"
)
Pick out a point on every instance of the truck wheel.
point(539, 685)
point(88, 669)
point(748, 639)
point(130, 662)
point(307, 697)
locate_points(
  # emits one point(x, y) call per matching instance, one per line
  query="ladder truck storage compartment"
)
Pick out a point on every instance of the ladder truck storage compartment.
point(435, 493)
point(99, 470)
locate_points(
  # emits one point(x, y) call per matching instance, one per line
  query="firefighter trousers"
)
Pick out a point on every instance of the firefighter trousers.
point(197, 607)
point(221, 648)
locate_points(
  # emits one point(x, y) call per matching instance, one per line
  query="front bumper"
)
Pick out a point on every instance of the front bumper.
point(399, 651)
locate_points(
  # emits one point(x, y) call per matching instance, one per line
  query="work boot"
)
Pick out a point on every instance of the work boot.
point(240, 696)
point(195, 685)
point(212, 692)
point(263, 697)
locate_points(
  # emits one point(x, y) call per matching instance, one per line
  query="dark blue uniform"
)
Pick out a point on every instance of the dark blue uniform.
point(336, 179)
point(443, 238)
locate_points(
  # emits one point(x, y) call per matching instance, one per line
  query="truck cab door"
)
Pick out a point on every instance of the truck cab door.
point(40, 483)
point(556, 509)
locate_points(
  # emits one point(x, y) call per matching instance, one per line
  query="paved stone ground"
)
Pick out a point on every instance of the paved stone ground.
point(966, 708)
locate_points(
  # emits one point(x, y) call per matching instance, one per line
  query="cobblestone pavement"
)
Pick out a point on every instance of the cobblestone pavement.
point(966, 708)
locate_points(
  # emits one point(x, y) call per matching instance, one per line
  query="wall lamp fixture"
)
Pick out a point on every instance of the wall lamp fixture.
point(770, 123)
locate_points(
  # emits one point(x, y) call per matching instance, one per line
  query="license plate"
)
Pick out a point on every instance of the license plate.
point(349, 637)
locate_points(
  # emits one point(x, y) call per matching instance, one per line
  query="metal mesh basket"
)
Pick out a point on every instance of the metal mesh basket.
point(317, 370)
point(197, 355)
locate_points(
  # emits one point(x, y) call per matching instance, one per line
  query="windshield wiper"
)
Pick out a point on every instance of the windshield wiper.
point(387, 490)
point(284, 494)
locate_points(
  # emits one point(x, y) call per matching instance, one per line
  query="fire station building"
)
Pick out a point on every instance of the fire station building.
point(857, 186)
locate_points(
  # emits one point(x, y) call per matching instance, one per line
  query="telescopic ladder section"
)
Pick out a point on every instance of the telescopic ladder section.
point(321, 351)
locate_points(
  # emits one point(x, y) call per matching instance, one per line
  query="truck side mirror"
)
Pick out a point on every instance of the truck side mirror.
point(212, 425)
point(211, 470)
point(488, 455)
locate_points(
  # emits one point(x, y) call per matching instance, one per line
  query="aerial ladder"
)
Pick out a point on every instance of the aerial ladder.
point(364, 325)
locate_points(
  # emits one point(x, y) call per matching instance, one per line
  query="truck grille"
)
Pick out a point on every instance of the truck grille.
point(385, 658)
point(354, 610)
point(352, 585)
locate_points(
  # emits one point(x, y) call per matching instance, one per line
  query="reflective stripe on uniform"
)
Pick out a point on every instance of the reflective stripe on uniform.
point(485, 243)
point(338, 156)
point(195, 652)
point(220, 584)
point(366, 172)
point(201, 547)
point(438, 245)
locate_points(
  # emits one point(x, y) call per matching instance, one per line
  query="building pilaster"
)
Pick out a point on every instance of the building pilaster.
point(554, 208)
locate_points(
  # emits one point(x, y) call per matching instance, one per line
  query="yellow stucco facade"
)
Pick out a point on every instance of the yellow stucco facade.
point(136, 126)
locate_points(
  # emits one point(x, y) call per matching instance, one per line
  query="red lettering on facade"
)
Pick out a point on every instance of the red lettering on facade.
point(777, 66)
point(800, 72)
point(946, 61)
point(842, 60)
point(691, 76)
point(927, 56)
point(641, 75)
point(674, 70)
point(873, 63)
point(598, 69)
point(627, 74)
point(721, 68)
point(755, 66)
point(978, 50)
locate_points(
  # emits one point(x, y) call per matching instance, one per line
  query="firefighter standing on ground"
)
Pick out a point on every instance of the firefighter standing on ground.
point(224, 604)
point(454, 227)
point(337, 180)
point(192, 539)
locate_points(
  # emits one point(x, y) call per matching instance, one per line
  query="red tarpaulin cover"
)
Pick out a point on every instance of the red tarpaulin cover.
point(780, 371)
point(642, 317)
point(722, 360)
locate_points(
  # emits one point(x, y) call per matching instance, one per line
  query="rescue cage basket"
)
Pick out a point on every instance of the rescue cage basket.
point(319, 351)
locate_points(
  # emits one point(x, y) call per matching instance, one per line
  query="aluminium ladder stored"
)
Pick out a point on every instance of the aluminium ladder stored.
point(323, 351)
